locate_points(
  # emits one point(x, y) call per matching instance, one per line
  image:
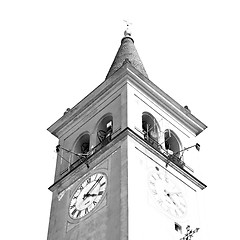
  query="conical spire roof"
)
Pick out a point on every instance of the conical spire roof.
point(127, 51)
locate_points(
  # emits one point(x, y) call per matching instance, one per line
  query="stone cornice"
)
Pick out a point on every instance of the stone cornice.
point(182, 171)
point(168, 104)
point(127, 73)
point(99, 156)
point(87, 102)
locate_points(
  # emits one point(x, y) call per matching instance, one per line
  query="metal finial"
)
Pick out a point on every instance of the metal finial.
point(127, 32)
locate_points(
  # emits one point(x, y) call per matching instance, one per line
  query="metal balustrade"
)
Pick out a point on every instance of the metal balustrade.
point(158, 146)
point(107, 137)
point(83, 157)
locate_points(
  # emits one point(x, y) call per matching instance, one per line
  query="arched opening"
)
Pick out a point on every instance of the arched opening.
point(104, 130)
point(81, 146)
point(150, 129)
point(172, 142)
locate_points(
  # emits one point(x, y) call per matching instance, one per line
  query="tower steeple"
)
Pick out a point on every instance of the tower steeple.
point(127, 51)
point(120, 172)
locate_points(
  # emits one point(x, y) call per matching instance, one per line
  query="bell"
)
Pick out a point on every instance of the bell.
point(153, 134)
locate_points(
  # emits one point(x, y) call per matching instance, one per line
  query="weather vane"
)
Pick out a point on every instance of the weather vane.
point(127, 32)
point(189, 234)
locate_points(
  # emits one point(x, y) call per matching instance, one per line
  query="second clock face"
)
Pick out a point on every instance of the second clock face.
point(167, 194)
point(87, 195)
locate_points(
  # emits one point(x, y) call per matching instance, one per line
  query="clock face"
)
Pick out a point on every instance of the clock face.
point(88, 195)
point(167, 194)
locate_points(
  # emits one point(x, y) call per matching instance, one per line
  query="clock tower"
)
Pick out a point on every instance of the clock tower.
point(122, 172)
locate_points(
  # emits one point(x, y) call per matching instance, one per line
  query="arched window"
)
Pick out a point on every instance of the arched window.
point(172, 142)
point(150, 129)
point(81, 146)
point(104, 130)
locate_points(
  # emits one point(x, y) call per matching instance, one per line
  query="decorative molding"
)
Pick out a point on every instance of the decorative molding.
point(96, 159)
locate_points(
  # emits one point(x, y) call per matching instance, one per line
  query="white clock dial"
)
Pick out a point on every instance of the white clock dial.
point(87, 195)
point(167, 194)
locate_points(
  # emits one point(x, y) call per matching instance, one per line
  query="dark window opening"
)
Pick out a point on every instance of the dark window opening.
point(150, 129)
point(81, 147)
point(104, 131)
point(173, 147)
point(172, 142)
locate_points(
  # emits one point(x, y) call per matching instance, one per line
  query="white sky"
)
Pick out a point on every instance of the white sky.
point(53, 53)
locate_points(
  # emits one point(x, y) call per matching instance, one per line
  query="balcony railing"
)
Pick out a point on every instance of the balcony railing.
point(83, 157)
point(158, 146)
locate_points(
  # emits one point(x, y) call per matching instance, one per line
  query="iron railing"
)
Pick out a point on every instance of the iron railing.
point(83, 158)
point(172, 157)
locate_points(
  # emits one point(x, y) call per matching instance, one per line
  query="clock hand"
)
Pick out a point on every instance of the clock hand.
point(94, 185)
point(176, 193)
point(169, 195)
point(90, 195)
point(173, 201)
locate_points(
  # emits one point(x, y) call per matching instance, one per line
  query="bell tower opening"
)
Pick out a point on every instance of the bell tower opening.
point(150, 129)
point(121, 153)
point(81, 146)
point(104, 130)
point(172, 142)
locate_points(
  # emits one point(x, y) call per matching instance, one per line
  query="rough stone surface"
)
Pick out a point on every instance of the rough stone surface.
point(128, 51)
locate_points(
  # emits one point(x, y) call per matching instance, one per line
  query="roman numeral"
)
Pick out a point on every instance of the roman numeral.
point(102, 184)
point(183, 204)
point(86, 210)
point(181, 210)
point(75, 197)
point(100, 193)
point(88, 180)
point(74, 211)
point(78, 214)
point(176, 213)
point(100, 179)
point(154, 177)
point(94, 203)
point(72, 206)
point(154, 192)
point(159, 176)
